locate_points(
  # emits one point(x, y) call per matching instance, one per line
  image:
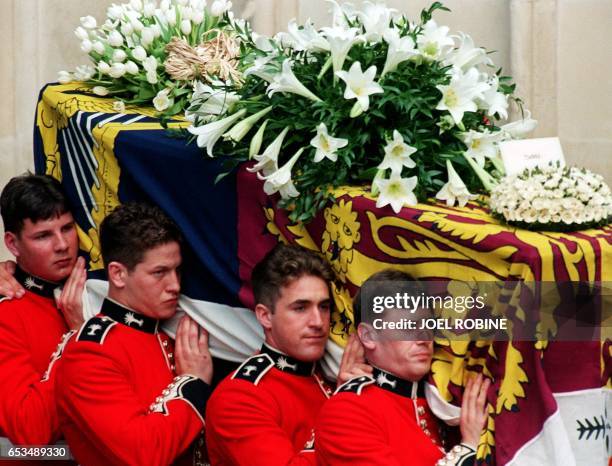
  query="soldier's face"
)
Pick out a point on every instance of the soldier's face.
point(46, 248)
point(410, 360)
point(153, 286)
point(299, 325)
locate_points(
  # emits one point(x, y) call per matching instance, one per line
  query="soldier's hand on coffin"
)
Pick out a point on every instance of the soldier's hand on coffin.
point(474, 410)
point(70, 301)
point(353, 362)
point(191, 350)
point(9, 287)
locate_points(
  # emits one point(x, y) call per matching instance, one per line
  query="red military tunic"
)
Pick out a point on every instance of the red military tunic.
point(119, 400)
point(31, 329)
point(264, 413)
point(378, 421)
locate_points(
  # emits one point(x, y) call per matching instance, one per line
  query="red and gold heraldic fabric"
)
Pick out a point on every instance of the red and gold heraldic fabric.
point(433, 241)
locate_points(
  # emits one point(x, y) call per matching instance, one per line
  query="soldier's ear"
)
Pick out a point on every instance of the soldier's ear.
point(367, 335)
point(264, 316)
point(11, 240)
point(117, 272)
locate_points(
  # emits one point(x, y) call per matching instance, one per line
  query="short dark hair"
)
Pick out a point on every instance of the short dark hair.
point(283, 265)
point(387, 282)
point(134, 228)
point(33, 197)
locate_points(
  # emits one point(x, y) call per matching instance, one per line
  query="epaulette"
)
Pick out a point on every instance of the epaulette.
point(254, 368)
point(96, 329)
point(355, 385)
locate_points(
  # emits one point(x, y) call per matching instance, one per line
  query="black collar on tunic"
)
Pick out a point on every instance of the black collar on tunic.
point(35, 284)
point(288, 364)
point(129, 317)
point(394, 384)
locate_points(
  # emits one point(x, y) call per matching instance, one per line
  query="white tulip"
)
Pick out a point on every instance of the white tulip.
point(161, 101)
point(117, 70)
point(139, 53)
point(150, 64)
point(136, 5)
point(219, 7)
point(131, 67)
point(186, 13)
point(127, 29)
point(100, 90)
point(156, 28)
point(104, 67)
point(152, 77)
point(197, 17)
point(99, 47)
point(186, 27)
point(115, 39)
point(114, 11)
point(171, 17)
point(86, 46)
point(84, 72)
point(119, 56)
point(64, 77)
point(119, 106)
point(81, 33)
point(89, 22)
point(147, 37)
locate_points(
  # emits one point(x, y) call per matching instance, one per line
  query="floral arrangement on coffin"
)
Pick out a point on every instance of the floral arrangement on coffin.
point(553, 198)
point(373, 98)
point(152, 52)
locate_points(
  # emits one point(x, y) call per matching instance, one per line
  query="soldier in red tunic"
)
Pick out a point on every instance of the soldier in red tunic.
point(126, 394)
point(264, 413)
point(384, 419)
point(40, 232)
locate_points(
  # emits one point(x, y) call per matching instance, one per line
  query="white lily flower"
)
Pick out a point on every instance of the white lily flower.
point(286, 81)
point(209, 134)
point(99, 48)
point(280, 181)
point(459, 96)
point(261, 69)
point(84, 72)
point(520, 128)
point(340, 41)
point(64, 77)
point(396, 191)
point(326, 145)
point(376, 18)
point(115, 39)
point(100, 90)
point(455, 191)
point(340, 13)
point(400, 50)
point(467, 55)
point(161, 101)
point(434, 41)
point(481, 145)
point(215, 101)
point(119, 106)
point(219, 7)
point(81, 33)
point(119, 56)
point(487, 180)
point(117, 70)
point(263, 43)
point(88, 22)
point(306, 38)
point(241, 129)
point(360, 85)
point(397, 154)
point(86, 46)
point(494, 101)
point(255, 145)
point(267, 162)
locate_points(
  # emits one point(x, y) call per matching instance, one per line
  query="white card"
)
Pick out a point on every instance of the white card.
point(530, 153)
